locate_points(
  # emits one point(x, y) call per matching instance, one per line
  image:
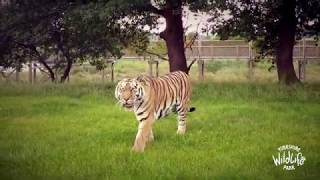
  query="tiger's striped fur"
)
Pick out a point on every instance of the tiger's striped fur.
point(153, 98)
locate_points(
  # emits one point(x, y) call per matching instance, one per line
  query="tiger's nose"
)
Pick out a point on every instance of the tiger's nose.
point(126, 98)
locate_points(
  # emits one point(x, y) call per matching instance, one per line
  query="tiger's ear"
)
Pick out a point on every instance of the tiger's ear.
point(141, 80)
point(121, 81)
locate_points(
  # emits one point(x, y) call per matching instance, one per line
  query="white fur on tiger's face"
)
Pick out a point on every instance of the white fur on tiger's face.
point(129, 92)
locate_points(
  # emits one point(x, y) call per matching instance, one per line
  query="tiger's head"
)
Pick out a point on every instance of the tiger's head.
point(129, 92)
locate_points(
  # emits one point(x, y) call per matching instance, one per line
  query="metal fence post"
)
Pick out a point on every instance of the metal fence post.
point(201, 69)
point(157, 68)
point(112, 71)
point(250, 63)
point(30, 72)
point(302, 63)
point(237, 51)
point(302, 70)
point(103, 75)
point(150, 67)
point(199, 47)
point(17, 74)
point(34, 79)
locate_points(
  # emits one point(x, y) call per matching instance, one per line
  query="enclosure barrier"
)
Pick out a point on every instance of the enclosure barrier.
point(111, 63)
point(152, 62)
point(207, 50)
point(200, 70)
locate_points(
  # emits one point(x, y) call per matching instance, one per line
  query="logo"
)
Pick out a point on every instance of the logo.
point(289, 156)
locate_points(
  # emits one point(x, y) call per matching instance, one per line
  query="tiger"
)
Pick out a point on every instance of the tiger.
point(151, 98)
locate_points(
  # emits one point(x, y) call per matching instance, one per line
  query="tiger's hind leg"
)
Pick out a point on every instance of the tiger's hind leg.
point(182, 120)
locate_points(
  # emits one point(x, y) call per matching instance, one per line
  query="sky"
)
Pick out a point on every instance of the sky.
point(193, 22)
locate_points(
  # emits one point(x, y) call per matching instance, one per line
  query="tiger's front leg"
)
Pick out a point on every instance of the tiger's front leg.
point(150, 136)
point(144, 134)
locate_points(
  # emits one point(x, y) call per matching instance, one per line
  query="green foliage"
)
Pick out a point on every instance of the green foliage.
point(259, 20)
point(215, 66)
point(158, 47)
point(77, 30)
point(11, 55)
point(100, 64)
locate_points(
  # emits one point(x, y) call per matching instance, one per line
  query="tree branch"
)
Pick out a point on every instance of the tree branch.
point(191, 42)
point(42, 70)
point(155, 54)
point(9, 74)
point(154, 10)
point(152, 53)
point(40, 58)
point(192, 62)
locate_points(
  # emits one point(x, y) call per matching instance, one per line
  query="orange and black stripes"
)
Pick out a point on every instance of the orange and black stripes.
point(169, 92)
point(153, 98)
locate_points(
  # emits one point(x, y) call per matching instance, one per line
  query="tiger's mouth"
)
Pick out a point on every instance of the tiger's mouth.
point(126, 105)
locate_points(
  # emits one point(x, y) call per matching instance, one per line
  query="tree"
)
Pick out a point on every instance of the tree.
point(27, 32)
point(274, 24)
point(65, 27)
point(11, 57)
point(173, 35)
point(71, 30)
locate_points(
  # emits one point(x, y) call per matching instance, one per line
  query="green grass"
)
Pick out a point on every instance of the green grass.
point(215, 71)
point(76, 131)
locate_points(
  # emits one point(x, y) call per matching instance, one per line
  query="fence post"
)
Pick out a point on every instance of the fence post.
point(157, 68)
point(302, 70)
point(17, 74)
point(34, 79)
point(250, 63)
point(199, 47)
point(318, 49)
point(112, 71)
point(237, 50)
point(103, 71)
point(150, 67)
point(103, 75)
point(201, 69)
point(30, 72)
point(302, 63)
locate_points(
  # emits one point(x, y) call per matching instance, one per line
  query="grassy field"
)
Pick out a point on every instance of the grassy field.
point(76, 131)
point(215, 71)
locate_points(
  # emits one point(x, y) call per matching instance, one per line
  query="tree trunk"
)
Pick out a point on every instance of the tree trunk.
point(49, 69)
point(173, 36)
point(286, 39)
point(66, 54)
point(41, 59)
point(66, 70)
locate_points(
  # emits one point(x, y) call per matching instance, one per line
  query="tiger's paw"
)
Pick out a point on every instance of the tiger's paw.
point(138, 147)
point(150, 138)
point(181, 131)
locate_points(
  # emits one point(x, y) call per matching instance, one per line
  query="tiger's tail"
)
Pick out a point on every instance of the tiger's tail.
point(191, 109)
